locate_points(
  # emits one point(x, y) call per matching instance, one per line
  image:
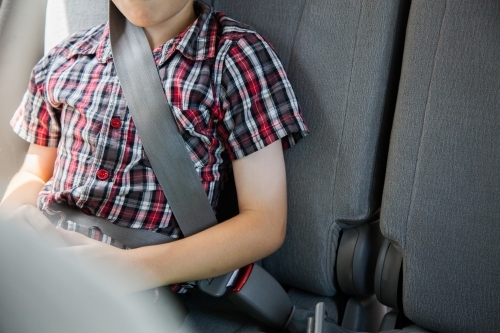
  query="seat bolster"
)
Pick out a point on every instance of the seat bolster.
point(21, 28)
point(416, 76)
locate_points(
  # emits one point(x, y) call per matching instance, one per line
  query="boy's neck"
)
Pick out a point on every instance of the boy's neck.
point(162, 32)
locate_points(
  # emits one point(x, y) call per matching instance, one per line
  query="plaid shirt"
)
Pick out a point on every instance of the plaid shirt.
point(228, 91)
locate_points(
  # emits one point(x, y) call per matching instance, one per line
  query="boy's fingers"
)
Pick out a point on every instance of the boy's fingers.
point(74, 238)
point(42, 225)
point(74, 252)
point(31, 220)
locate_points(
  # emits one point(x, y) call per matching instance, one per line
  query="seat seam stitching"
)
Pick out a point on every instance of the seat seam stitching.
point(296, 32)
point(413, 193)
point(339, 147)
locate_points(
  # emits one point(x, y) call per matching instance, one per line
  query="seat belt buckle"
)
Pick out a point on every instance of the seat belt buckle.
point(256, 292)
point(230, 282)
point(218, 286)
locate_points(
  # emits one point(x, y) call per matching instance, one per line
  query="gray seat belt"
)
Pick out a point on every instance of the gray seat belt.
point(155, 122)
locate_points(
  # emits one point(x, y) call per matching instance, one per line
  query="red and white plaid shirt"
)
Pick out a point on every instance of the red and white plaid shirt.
point(228, 91)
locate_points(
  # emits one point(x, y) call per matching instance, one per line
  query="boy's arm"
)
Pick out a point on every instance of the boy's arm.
point(36, 170)
point(18, 205)
point(256, 232)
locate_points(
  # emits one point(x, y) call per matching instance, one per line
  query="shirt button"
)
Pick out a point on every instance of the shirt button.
point(116, 123)
point(86, 211)
point(102, 174)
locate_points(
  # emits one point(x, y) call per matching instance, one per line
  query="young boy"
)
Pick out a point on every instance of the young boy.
point(233, 105)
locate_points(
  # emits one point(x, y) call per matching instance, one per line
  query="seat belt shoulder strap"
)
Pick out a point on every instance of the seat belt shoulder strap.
point(157, 128)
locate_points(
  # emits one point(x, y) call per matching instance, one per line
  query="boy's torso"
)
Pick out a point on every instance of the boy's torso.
point(101, 165)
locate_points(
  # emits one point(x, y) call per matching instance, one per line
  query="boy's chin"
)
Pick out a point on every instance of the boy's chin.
point(140, 21)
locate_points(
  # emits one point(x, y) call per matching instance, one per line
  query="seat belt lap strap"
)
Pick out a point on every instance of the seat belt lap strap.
point(60, 214)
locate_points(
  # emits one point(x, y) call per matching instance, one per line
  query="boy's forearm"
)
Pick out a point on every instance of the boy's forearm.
point(22, 190)
point(26, 184)
point(223, 248)
point(256, 232)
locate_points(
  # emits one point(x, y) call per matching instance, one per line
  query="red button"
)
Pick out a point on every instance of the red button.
point(102, 174)
point(86, 211)
point(116, 123)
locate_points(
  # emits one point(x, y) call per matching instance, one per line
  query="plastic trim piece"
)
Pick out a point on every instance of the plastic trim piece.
point(388, 276)
point(357, 257)
point(321, 323)
point(393, 320)
point(363, 314)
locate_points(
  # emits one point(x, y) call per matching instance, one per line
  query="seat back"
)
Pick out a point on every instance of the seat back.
point(25, 48)
point(65, 17)
point(442, 194)
point(339, 56)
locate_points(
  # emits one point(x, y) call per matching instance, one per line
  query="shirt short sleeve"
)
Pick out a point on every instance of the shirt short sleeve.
point(36, 120)
point(257, 99)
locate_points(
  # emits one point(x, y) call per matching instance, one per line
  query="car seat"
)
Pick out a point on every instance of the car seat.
point(441, 202)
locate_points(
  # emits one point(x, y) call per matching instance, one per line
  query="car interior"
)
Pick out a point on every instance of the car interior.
point(393, 198)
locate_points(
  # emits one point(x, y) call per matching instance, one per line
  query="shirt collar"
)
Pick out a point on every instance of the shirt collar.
point(91, 42)
point(197, 42)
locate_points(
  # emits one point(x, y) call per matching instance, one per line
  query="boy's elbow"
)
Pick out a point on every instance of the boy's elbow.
point(277, 233)
point(268, 227)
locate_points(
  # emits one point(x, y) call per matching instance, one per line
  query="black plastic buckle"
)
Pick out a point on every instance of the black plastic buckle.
point(218, 286)
point(260, 295)
point(256, 292)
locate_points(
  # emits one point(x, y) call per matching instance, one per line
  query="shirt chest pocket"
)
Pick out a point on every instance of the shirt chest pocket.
point(197, 123)
point(197, 130)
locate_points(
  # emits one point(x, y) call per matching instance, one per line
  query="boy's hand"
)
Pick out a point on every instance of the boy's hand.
point(32, 220)
point(103, 258)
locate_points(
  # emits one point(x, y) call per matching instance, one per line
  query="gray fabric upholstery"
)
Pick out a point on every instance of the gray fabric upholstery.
point(209, 315)
point(21, 29)
point(65, 17)
point(339, 56)
point(442, 193)
point(409, 329)
point(215, 315)
point(277, 20)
